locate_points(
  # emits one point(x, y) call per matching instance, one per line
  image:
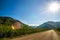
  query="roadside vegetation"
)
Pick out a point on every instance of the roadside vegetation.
point(8, 32)
point(57, 30)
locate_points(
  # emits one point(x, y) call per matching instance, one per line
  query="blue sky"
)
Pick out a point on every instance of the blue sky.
point(31, 12)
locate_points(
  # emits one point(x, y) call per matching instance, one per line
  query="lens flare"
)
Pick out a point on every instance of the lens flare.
point(13, 27)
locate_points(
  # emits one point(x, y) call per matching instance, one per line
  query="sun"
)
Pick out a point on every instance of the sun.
point(53, 7)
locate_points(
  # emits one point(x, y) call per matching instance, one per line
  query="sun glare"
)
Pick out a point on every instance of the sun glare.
point(53, 7)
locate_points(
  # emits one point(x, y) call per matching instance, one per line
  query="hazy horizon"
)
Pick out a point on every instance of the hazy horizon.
point(31, 12)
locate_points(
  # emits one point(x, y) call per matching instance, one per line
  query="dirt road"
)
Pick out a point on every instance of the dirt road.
point(47, 35)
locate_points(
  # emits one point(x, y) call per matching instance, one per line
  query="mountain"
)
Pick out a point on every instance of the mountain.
point(57, 24)
point(8, 21)
point(49, 25)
